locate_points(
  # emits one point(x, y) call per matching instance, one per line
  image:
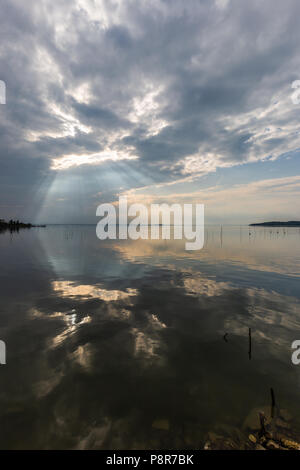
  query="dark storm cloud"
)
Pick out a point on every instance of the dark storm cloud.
point(164, 81)
point(99, 117)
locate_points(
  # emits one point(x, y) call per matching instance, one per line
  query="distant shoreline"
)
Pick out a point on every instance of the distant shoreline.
point(16, 225)
point(291, 223)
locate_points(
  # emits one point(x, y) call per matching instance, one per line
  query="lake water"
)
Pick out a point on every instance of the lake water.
point(120, 344)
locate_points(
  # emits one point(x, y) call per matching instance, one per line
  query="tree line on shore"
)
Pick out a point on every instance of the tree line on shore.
point(15, 225)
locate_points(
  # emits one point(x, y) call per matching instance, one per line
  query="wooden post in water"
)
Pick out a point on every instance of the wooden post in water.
point(250, 345)
point(273, 402)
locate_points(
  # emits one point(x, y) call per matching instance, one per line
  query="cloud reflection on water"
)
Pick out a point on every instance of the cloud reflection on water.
point(103, 348)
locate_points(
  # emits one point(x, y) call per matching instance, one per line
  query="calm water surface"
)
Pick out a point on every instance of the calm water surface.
point(120, 344)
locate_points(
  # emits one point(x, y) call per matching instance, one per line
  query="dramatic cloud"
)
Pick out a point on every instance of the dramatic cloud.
point(113, 95)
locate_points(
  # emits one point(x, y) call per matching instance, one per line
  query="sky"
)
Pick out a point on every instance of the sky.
point(177, 101)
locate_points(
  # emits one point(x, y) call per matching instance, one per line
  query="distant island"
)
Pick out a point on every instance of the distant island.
point(291, 223)
point(15, 225)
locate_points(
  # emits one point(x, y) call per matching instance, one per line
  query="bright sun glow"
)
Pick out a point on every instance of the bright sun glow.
point(68, 161)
